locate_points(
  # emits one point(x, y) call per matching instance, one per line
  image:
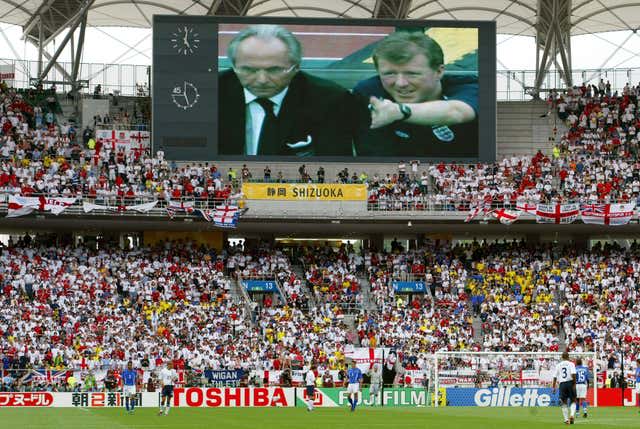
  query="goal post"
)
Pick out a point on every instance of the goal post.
point(507, 369)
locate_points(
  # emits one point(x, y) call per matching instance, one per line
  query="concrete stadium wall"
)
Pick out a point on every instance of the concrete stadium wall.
point(91, 108)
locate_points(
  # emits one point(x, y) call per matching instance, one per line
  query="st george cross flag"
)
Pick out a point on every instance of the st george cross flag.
point(506, 216)
point(226, 216)
point(20, 206)
point(607, 214)
point(526, 207)
point(176, 207)
point(482, 207)
point(366, 357)
point(140, 208)
point(557, 213)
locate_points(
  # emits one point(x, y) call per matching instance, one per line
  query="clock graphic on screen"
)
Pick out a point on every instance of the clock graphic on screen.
point(185, 40)
point(185, 96)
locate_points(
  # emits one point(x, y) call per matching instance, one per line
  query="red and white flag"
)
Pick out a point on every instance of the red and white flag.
point(20, 206)
point(557, 213)
point(140, 208)
point(526, 207)
point(226, 216)
point(366, 357)
point(481, 207)
point(607, 214)
point(506, 216)
point(184, 207)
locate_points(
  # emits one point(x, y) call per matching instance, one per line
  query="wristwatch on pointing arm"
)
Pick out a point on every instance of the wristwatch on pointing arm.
point(405, 110)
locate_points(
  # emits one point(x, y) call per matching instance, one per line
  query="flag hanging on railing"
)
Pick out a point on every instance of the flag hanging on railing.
point(21, 206)
point(226, 216)
point(506, 216)
point(178, 207)
point(45, 376)
point(140, 208)
point(557, 213)
point(223, 216)
point(526, 207)
point(607, 214)
point(482, 207)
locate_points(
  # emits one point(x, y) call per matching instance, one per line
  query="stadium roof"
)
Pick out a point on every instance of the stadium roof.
point(512, 16)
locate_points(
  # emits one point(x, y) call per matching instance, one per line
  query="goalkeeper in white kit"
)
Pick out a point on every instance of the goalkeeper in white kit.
point(376, 383)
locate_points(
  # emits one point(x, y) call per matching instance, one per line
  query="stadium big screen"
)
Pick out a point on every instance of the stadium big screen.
point(261, 89)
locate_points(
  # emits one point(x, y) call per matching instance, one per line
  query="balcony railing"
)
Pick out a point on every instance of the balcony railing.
point(131, 79)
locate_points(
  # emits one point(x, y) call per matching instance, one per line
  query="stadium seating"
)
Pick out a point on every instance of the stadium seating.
point(63, 307)
point(593, 161)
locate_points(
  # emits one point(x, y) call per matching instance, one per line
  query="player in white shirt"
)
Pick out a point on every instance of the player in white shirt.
point(310, 383)
point(376, 381)
point(566, 374)
point(168, 376)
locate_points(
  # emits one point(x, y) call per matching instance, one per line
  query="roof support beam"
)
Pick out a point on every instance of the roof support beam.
point(78, 19)
point(47, 55)
point(40, 45)
point(76, 61)
point(36, 18)
point(74, 20)
point(15, 6)
point(230, 7)
point(392, 9)
point(553, 39)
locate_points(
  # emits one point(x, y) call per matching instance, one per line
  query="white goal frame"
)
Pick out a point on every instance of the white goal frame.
point(437, 356)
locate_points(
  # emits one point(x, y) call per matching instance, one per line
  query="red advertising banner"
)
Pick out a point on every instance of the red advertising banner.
point(613, 397)
point(26, 399)
point(234, 397)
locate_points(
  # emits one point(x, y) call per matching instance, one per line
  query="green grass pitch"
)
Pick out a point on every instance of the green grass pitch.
point(327, 418)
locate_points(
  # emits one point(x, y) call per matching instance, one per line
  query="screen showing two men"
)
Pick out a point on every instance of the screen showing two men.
point(331, 91)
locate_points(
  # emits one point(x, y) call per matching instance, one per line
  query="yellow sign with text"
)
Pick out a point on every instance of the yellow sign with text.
point(304, 191)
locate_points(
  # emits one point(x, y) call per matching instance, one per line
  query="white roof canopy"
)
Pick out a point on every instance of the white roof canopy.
point(512, 16)
point(552, 22)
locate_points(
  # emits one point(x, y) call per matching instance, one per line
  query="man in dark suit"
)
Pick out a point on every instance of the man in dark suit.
point(267, 106)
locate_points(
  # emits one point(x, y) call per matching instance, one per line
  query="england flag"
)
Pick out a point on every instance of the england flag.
point(505, 216)
point(557, 213)
point(226, 216)
point(607, 214)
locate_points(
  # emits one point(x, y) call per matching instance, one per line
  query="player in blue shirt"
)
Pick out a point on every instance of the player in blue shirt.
point(582, 384)
point(129, 381)
point(354, 376)
point(637, 383)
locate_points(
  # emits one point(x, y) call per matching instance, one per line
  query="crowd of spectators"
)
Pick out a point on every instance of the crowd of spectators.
point(594, 160)
point(333, 275)
point(600, 300)
point(41, 156)
point(265, 263)
point(95, 309)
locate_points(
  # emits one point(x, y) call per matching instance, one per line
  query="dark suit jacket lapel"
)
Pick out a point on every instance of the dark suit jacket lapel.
point(235, 113)
point(291, 110)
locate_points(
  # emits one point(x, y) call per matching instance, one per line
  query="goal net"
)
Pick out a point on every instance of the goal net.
point(503, 378)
